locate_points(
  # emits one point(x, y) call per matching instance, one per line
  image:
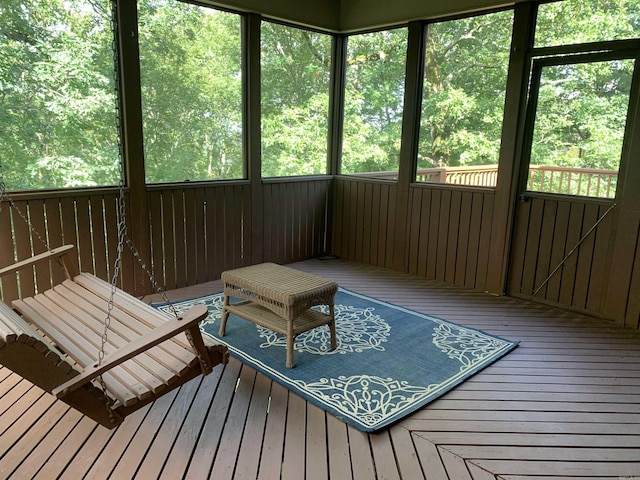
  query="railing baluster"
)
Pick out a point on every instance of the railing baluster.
point(560, 180)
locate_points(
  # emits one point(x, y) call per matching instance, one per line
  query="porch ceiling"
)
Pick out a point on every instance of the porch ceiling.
point(354, 15)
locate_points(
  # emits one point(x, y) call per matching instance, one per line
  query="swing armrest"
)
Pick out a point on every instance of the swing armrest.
point(40, 258)
point(168, 330)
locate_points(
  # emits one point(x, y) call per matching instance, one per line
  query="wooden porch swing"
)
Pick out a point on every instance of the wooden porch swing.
point(94, 346)
point(58, 342)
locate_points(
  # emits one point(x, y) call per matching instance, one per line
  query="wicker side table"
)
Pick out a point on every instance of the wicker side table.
point(279, 298)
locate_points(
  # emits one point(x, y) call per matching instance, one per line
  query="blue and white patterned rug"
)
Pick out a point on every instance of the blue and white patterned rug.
point(390, 361)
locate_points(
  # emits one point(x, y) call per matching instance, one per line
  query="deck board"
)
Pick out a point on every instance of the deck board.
point(179, 457)
point(273, 443)
point(48, 446)
point(565, 403)
point(213, 424)
point(232, 434)
point(361, 459)
point(316, 444)
point(293, 459)
point(407, 460)
point(162, 444)
point(384, 456)
point(65, 453)
point(339, 457)
point(430, 459)
point(250, 449)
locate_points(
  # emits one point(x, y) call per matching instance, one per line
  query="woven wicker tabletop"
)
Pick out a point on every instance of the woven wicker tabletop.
point(284, 290)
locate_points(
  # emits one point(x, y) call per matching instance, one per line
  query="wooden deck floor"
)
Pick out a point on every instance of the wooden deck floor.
point(564, 404)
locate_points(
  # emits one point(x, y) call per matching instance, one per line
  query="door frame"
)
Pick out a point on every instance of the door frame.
point(630, 148)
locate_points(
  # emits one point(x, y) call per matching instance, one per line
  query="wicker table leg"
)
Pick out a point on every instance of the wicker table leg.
point(332, 327)
point(225, 315)
point(290, 343)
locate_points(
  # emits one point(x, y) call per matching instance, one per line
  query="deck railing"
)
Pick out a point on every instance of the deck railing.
point(570, 181)
point(587, 182)
point(479, 176)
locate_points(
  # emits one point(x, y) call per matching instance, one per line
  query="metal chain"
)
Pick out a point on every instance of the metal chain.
point(123, 236)
point(158, 289)
point(5, 196)
point(120, 211)
point(122, 231)
point(154, 283)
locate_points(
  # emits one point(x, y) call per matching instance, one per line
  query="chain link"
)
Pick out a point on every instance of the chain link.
point(158, 289)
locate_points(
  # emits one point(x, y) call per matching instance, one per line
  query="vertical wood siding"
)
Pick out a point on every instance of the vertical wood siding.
point(364, 216)
point(546, 231)
point(295, 217)
point(196, 232)
point(199, 232)
point(622, 297)
point(632, 313)
point(449, 235)
point(448, 230)
point(85, 219)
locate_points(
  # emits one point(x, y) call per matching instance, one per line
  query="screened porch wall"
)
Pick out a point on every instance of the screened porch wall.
point(196, 232)
point(442, 233)
point(446, 233)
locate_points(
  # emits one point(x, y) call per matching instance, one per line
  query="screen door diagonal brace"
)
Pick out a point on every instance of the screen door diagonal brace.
point(573, 250)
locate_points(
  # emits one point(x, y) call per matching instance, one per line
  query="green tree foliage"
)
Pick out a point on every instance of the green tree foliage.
point(190, 60)
point(464, 88)
point(374, 96)
point(581, 115)
point(57, 102)
point(579, 21)
point(296, 66)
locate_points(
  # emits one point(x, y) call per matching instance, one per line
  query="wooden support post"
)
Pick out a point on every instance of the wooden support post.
point(136, 281)
point(252, 135)
point(410, 135)
point(512, 138)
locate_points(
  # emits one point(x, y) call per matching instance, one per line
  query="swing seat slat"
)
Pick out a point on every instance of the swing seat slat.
point(139, 346)
point(144, 315)
point(88, 312)
point(20, 343)
point(56, 340)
